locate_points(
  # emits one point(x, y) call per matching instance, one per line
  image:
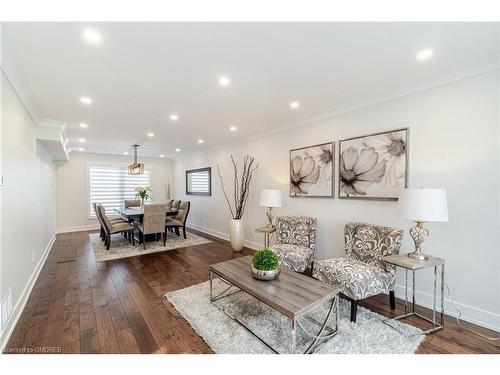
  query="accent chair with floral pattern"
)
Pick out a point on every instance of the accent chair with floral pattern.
point(295, 242)
point(362, 273)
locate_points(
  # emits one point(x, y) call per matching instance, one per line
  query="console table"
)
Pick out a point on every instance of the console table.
point(412, 265)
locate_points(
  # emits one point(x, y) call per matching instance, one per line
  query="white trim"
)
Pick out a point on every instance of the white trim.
point(78, 228)
point(21, 302)
point(352, 107)
point(224, 236)
point(471, 314)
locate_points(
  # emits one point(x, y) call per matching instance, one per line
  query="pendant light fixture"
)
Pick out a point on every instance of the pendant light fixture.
point(135, 168)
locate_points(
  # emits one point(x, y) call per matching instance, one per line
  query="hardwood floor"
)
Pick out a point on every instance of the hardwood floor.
point(79, 305)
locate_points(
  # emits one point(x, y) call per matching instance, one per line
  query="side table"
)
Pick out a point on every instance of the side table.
point(267, 232)
point(410, 264)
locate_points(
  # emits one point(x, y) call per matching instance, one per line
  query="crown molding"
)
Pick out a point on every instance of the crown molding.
point(355, 106)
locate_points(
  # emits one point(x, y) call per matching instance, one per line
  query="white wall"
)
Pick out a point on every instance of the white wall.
point(27, 201)
point(72, 186)
point(454, 144)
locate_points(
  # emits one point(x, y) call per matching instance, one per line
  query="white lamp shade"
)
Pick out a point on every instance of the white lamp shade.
point(423, 204)
point(270, 198)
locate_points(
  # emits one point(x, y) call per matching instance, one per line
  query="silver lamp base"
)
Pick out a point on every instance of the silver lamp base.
point(419, 235)
point(418, 255)
point(270, 218)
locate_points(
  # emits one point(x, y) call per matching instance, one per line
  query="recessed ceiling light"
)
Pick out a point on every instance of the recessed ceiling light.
point(92, 36)
point(294, 105)
point(150, 134)
point(85, 100)
point(125, 153)
point(424, 54)
point(177, 150)
point(233, 128)
point(162, 156)
point(224, 81)
point(200, 141)
point(83, 125)
point(81, 140)
point(174, 117)
point(81, 149)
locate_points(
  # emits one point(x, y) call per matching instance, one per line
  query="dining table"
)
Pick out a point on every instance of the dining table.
point(132, 214)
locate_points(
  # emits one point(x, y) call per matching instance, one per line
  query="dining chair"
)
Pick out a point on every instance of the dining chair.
point(102, 233)
point(132, 203)
point(169, 203)
point(176, 203)
point(153, 221)
point(179, 221)
point(113, 227)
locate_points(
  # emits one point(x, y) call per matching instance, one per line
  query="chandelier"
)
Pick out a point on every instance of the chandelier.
point(135, 167)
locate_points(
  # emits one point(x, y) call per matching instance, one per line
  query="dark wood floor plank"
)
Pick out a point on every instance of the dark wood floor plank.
point(85, 306)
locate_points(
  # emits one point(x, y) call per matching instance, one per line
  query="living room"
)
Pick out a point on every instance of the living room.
point(250, 187)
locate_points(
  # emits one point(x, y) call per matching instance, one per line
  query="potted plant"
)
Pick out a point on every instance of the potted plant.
point(144, 193)
point(265, 265)
point(240, 196)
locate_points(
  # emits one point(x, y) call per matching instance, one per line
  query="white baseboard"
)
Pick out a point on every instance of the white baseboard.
point(78, 228)
point(470, 314)
point(21, 303)
point(225, 236)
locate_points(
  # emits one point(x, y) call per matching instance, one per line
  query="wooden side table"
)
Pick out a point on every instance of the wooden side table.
point(410, 264)
point(267, 233)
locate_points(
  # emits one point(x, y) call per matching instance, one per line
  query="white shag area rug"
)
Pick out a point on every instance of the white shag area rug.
point(369, 335)
point(121, 248)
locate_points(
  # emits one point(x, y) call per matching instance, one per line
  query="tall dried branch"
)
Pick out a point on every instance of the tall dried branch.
point(241, 187)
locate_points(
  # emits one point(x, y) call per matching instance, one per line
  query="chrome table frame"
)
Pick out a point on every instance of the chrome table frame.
point(319, 339)
point(435, 325)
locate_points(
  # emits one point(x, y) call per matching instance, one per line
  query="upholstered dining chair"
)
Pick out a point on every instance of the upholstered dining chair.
point(113, 227)
point(132, 203)
point(295, 242)
point(176, 203)
point(362, 273)
point(179, 220)
point(153, 221)
point(169, 203)
point(112, 220)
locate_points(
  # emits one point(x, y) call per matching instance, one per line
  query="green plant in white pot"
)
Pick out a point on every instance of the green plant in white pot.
point(240, 195)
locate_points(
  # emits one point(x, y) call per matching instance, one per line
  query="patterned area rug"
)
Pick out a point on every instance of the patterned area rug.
point(223, 335)
point(121, 248)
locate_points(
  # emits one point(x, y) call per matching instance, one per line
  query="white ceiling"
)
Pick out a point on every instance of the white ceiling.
point(142, 72)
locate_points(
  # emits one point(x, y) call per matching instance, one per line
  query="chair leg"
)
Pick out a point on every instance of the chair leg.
point(184, 231)
point(177, 231)
point(354, 310)
point(144, 241)
point(133, 238)
point(108, 241)
point(392, 300)
point(164, 238)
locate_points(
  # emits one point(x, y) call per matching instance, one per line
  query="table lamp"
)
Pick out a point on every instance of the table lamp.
point(422, 205)
point(270, 198)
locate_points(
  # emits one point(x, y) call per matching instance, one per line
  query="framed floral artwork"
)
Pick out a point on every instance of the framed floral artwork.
point(373, 166)
point(311, 171)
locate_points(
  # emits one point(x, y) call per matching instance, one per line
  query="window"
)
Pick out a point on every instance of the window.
point(111, 185)
point(199, 181)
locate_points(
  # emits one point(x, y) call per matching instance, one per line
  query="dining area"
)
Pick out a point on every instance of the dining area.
point(142, 223)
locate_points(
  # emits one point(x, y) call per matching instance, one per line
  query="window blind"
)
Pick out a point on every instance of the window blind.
point(198, 181)
point(111, 185)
